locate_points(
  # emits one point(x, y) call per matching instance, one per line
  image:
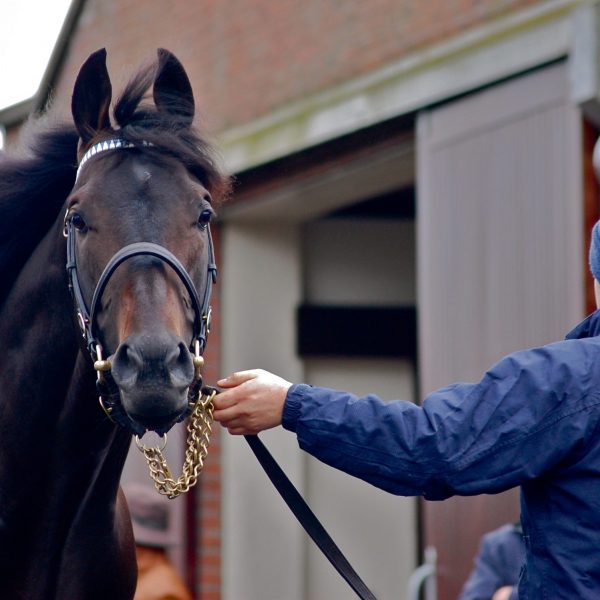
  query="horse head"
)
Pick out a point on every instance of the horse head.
point(140, 254)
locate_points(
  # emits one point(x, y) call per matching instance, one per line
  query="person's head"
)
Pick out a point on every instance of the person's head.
point(149, 516)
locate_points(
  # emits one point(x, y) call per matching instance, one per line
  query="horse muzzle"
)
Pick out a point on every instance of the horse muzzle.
point(153, 375)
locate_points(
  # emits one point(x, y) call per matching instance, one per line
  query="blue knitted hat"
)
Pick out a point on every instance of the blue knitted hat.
point(595, 251)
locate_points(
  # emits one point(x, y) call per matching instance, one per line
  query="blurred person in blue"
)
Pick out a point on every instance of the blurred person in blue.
point(531, 421)
point(497, 565)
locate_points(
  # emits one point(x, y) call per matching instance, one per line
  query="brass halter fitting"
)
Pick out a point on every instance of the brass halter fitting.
point(143, 447)
point(198, 359)
point(101, 365)
point(107, 409)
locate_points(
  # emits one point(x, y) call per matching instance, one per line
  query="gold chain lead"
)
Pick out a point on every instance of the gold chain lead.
point(199, 429)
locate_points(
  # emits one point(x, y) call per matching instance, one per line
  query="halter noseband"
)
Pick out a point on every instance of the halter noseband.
point(87, 318)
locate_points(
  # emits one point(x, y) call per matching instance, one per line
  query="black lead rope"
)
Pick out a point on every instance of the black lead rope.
point(307, 518)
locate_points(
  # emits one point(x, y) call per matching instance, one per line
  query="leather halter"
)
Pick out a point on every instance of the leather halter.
point(87, 317)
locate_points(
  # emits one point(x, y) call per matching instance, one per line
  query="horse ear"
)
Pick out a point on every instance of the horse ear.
point(91, 97)
point(172, 89)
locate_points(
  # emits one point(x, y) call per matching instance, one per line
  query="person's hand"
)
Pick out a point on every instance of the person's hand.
point(502, 593)
point(251, 401)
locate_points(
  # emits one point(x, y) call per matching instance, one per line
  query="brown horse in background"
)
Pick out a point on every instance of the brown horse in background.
point(126, 208)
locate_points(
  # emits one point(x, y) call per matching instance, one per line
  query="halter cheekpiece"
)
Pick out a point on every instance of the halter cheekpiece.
point(87, 316)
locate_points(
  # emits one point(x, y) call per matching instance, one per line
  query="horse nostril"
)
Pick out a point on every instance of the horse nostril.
point(180, 365)
point(126, 365)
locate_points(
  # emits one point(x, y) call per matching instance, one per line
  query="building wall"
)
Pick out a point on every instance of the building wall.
point(269, 269)
point(361, 262)
point(262, 544)
point(248, 57)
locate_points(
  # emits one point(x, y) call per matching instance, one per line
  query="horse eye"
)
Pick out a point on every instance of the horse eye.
point(204, 218)
point(78, 222)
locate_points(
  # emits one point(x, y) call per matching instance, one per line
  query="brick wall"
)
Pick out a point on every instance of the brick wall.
point(247, 57)
point(207, 565)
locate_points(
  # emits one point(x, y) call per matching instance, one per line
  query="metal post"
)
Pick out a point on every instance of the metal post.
point(424, 577)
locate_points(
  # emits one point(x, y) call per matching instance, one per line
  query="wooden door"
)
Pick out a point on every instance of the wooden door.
point(500, 259)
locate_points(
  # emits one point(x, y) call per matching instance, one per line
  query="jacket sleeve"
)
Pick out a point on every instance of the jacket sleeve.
point(528, 413)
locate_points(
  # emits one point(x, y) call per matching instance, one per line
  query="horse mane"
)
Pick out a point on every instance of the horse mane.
point(33, 188)
point(35, 183)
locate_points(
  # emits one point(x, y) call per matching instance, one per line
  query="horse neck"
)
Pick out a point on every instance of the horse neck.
point(61, 459)
point(40, 344)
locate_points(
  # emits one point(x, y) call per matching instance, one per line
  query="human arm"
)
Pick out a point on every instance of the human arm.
point(465, 439)
point(528, 413)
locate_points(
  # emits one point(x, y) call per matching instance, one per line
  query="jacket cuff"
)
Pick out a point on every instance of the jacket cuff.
point(292, 406)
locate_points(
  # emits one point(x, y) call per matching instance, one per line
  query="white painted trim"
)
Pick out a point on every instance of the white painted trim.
point(477, 57)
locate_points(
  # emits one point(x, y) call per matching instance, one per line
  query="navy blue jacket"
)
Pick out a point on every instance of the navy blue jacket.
point(531, 421)
point(498, 563)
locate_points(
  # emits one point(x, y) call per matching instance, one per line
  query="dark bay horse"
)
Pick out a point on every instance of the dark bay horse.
point(126, 202)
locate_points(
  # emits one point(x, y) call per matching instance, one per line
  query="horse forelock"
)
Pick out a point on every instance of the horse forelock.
point(140, 121)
